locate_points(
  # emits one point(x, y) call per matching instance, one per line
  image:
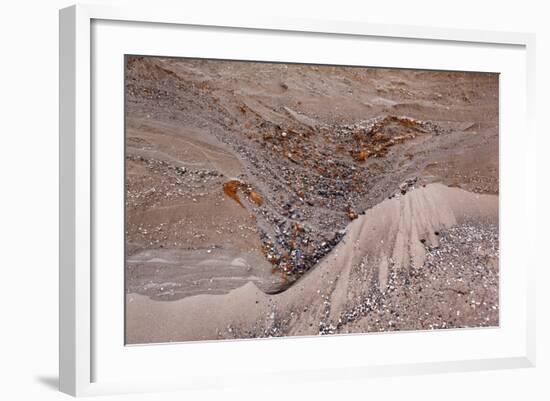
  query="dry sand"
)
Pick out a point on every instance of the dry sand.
point(365, 200)
point(386, 241)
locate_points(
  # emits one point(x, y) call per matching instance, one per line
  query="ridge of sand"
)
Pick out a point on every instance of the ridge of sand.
point(390, 236)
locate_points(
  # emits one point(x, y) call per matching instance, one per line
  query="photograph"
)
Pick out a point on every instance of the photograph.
point(272, 199)
point(251, 201)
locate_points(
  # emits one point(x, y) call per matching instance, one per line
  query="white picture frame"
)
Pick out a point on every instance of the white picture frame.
point(81, 342)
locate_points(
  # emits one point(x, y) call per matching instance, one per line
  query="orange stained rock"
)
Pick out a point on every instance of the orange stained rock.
point(256, 198)
point(230, 188)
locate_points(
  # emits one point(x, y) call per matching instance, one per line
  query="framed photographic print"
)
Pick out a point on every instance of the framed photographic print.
point(340, 199)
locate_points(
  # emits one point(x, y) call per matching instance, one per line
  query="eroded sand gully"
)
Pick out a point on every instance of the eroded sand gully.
point(270, 199)
point(391, 237)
